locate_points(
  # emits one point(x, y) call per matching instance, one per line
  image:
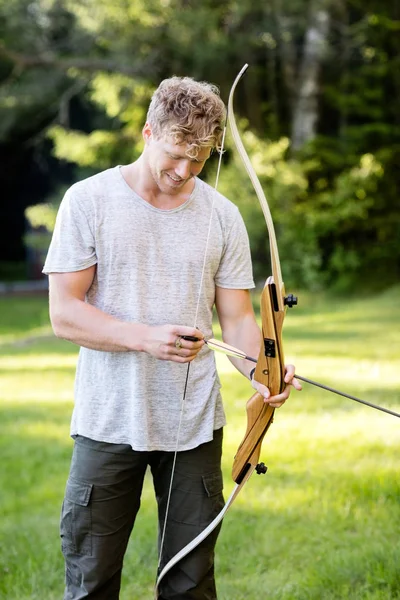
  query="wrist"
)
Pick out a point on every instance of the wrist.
point(251, 374)
point(136, 335)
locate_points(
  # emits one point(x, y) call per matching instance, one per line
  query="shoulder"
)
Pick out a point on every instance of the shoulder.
point(88, 195)
point(221, 204)
point(93, 185)
point(226, 220)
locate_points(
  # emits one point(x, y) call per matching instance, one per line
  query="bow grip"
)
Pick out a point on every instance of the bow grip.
point(270, 369)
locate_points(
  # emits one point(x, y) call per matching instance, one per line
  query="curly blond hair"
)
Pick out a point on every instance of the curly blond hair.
point(190, 111)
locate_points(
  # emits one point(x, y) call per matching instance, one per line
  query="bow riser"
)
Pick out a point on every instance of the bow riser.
point(270, 370)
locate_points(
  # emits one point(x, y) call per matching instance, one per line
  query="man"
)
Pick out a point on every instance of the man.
point(140, 254)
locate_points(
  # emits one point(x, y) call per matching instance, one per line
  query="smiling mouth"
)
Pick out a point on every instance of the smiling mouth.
point(175, 180)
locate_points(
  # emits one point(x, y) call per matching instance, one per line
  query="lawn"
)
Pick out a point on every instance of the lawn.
point(324, 523)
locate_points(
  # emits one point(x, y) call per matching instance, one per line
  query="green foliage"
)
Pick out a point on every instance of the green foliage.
point(31, 91)
point(95, 149)
point(124, 101)
point(285, 185)
point(42, 215)
point(83, 72)
point(340, 212)
point(41, 219)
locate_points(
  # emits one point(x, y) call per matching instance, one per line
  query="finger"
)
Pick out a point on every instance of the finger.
point(181, 355)
point(197, 345)
point(185, 348)
point(177, 343)
point(276, 404)
point(264, 391)
point(185, 353)
point(189, 333)
point(181, 359)
point(279, 398)
point(296, 384)
point(289, 373)
point(185, 341)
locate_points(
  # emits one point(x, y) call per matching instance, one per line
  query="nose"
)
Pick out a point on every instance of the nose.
point(182, 169)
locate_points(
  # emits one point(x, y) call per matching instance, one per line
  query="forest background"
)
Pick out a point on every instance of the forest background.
point(318, 110)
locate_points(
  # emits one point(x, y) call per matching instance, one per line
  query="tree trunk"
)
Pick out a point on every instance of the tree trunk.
point(305, 111)
point(287, 51)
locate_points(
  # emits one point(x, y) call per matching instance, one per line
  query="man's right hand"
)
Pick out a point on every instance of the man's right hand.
point(173, 342)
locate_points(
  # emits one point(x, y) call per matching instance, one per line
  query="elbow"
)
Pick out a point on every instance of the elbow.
point(59, 325)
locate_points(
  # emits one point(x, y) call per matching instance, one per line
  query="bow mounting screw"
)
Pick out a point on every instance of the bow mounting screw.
point(261, 469)
point(290, 300)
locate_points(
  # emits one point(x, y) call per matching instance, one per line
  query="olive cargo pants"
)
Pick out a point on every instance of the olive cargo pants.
point(101, 502)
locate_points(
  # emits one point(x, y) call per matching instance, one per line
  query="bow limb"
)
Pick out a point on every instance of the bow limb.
point(275, 263)
point(205, 533)
point(270, 364)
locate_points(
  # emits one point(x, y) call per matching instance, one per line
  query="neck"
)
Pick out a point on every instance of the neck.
point(139, 178)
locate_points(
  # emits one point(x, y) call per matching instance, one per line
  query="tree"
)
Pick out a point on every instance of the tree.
point(323, 87)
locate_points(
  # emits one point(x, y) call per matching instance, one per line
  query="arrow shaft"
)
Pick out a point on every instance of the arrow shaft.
point(231, 351)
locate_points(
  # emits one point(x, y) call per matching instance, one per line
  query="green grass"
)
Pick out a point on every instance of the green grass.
point(324, 523)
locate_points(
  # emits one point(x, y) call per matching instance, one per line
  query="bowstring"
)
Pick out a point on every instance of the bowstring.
point(183, 403)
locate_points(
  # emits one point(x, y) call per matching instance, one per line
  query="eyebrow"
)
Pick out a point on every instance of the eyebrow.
point(173, 155)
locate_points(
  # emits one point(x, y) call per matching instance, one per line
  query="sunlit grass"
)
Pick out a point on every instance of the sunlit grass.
point(324, 523)
point(28, 317)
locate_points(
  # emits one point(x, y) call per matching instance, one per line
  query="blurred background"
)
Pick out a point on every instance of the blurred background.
point(318, 107)
point(318, 111)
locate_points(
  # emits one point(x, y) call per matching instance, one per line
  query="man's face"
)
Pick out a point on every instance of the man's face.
point(170, 166)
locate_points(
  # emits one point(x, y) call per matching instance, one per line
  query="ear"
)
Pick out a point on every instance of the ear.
point(146, 132)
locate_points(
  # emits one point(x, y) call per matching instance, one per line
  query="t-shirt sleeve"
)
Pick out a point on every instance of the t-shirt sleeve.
point(72, 247)
point(235, 270)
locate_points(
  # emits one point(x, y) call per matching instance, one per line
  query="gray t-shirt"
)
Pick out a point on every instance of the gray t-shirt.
point(149, 265)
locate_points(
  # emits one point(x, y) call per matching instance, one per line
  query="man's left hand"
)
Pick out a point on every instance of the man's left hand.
point(279, 399)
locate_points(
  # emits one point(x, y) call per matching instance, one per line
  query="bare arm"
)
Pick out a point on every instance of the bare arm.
point(240, 329)
point(77, 321)
point(238, 324)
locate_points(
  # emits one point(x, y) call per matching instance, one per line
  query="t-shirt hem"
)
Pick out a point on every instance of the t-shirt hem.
point(69, 269)
point(152, 448)
point(237, 286)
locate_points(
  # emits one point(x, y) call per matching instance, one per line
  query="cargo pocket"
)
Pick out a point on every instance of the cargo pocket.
point(213, 485)
point(76, 518)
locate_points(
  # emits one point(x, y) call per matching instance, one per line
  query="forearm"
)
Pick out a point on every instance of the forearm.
point(77, 321)
point(245, 336)
point(85, 325)
point(240, 329)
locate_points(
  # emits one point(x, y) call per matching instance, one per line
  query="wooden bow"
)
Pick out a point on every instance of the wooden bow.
point(270, 368)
